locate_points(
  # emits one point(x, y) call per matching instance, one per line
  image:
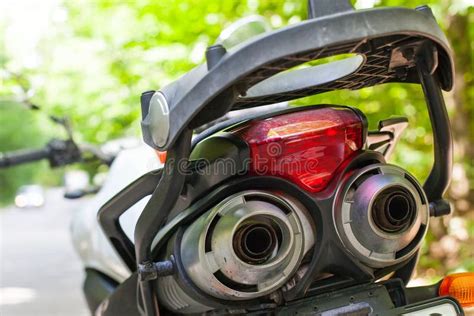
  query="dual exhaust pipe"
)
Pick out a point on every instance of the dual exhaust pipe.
point(253, 242)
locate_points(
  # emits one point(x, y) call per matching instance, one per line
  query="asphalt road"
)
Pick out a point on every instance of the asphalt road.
point(40, 274)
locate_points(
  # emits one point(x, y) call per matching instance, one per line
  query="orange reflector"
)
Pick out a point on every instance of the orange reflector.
point(460, 286)
point(161, 155)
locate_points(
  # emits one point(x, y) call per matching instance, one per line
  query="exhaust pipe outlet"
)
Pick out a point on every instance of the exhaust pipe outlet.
point(393, 209)
point(381, 215)
point(247, 246)
point(256, 240)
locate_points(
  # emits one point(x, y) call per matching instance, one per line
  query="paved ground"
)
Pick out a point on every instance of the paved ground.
point(40, 273)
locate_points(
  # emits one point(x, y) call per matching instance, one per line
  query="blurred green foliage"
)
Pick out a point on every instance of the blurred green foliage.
point(99, 57)
point(22, 126)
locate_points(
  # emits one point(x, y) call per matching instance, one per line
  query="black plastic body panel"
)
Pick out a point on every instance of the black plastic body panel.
point(97, 287)
point(123, 301)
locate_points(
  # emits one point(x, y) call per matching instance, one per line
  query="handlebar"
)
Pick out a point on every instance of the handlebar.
point(58, 152)
point(23, 156)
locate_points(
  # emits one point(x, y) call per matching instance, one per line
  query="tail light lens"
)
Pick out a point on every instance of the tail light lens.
point(305, 147)
point(460, 286)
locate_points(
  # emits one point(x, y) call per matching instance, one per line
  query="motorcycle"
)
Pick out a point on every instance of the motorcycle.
point(279, 210)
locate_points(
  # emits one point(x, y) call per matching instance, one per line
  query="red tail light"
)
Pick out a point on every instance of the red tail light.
point(305, 147)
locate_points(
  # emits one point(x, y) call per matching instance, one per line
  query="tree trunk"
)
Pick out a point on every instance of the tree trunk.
point(462, 118)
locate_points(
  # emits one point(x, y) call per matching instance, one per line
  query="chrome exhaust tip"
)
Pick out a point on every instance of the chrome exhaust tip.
point(245, 247)
point(381, 215)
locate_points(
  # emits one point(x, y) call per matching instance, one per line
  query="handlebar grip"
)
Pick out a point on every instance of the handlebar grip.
point(23, 156)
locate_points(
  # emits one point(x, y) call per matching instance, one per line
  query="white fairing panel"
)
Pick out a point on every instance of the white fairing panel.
point(89, 240)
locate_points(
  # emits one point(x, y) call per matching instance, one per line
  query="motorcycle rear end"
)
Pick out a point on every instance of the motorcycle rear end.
point(292, 210)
